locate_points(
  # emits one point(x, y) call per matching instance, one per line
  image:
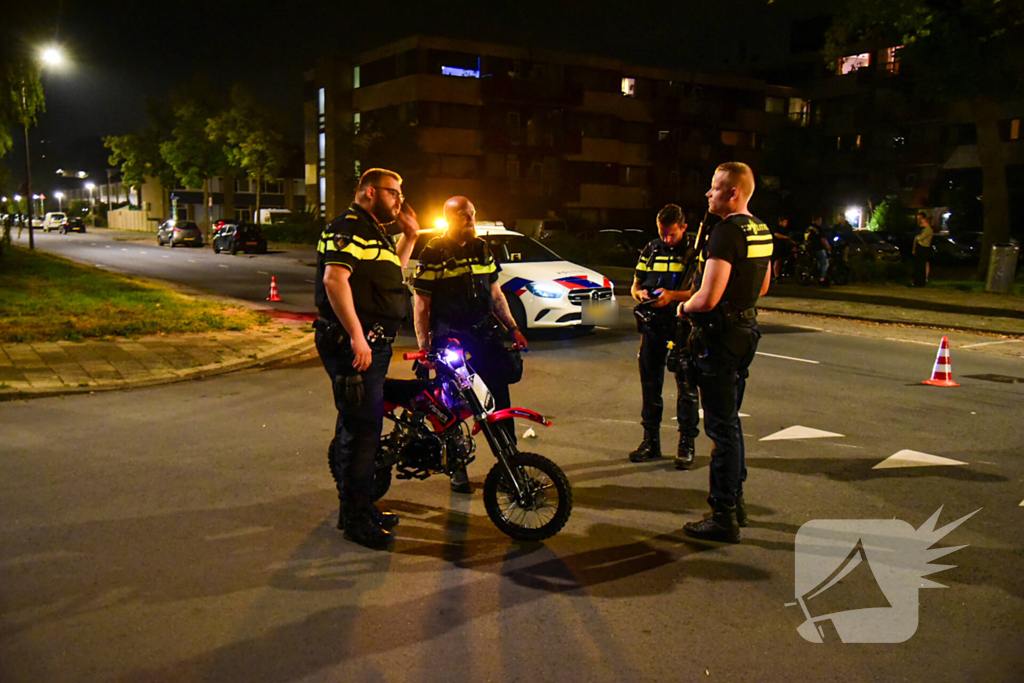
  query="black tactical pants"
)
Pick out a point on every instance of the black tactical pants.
point(359, 425)
point(652, 360)
point(722, 371)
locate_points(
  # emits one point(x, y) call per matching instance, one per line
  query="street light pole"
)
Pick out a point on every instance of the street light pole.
point(28, 171)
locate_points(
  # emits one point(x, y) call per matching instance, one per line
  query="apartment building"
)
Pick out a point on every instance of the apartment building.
point(529, 133)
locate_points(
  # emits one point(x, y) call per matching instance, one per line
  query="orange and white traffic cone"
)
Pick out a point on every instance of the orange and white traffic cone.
point(942, 373)
point(273, 290)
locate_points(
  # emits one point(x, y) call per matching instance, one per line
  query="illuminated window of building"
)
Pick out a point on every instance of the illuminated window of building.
point(355, 77)
point(890, 58)
point(852, 63)
point(322, 102)
point(323, 147)
point(732, 138)
point(799, 110)
point(775, 105)
point(629, 87)
point(1015, 129)
point(859, 141)
point(662, 135)
point(323, 197)
point(357, 118)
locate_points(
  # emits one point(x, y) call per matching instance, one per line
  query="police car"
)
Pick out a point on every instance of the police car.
point(544, 291)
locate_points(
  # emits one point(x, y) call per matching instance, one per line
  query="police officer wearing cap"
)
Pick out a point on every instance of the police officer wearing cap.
point(662, 275)
point(724, 340)
point(457, 297)
point(362, 302)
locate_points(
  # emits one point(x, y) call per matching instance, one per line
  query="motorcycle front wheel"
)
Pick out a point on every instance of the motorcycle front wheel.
point(542, 509)
point(804, 275)
point(841, 274)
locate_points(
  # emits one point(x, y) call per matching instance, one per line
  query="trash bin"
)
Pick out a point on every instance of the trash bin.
point(1002, 268)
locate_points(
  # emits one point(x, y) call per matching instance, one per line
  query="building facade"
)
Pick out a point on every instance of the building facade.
point(529, 133)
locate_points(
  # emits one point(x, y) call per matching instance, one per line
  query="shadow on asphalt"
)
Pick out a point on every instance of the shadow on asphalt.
point(859, 469)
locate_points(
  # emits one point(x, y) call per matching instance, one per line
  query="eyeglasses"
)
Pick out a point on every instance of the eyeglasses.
point(398, 195)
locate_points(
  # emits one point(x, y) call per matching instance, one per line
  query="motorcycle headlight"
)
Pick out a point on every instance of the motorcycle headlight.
point(453, 357)
point(545, 290)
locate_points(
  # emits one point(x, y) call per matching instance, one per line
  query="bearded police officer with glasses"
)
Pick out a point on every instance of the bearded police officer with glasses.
point(362, 302)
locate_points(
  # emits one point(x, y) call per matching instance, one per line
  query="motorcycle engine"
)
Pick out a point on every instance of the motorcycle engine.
point(459, 451)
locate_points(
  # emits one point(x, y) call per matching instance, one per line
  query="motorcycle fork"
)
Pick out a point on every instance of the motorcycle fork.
point(500, 444)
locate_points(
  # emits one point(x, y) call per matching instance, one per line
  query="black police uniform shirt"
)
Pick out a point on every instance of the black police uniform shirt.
point(812, 239)
point(664, 267)
point(356, 241)
point(746, 243)
point(458, 281)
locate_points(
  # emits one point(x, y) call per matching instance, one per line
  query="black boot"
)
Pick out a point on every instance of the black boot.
point(362, 528)
point(388, 520)
point(685, 453)
point(741, 511)
point(720, 526)
point(649, 448)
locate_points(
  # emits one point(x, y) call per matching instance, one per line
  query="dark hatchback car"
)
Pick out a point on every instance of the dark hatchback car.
point(244, 237)
point(71, 225)
point(174, 233)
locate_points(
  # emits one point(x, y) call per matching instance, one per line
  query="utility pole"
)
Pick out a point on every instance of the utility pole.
point(110, 172)
point(28, 169)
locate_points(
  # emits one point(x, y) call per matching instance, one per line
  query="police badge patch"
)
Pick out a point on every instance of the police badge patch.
point(340, 240)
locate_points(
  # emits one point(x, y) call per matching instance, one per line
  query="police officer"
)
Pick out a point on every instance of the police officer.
point(362, 302)
point(662, 278)
point(457, 296)
point(724, 340)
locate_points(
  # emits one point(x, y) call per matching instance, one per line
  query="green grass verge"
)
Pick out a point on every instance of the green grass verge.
point(46, 298)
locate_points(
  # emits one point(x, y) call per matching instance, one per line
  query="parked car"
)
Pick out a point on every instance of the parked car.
point(174, 233)
point(543, 290)
point(950, 252)
point(244, 237)
point(53, 221)
point(866, 244)
point(73, 224)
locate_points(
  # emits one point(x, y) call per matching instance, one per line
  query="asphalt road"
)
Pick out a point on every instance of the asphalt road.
point(243, 276)
point(186, 532)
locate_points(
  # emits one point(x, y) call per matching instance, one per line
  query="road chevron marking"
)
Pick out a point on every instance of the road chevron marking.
point(908, 458)
point(800, 432)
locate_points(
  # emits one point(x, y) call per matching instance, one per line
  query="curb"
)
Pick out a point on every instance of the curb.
point(275, 356)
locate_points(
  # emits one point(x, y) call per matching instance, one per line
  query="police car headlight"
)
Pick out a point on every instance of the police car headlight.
point(545, 290)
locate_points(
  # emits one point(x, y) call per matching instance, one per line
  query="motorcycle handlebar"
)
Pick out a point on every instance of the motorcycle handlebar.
point(415, 355)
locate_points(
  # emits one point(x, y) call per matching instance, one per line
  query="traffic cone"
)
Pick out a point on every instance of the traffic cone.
point(273, 290)
point(942, 373)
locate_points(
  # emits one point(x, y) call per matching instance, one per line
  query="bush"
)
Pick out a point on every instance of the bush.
point(299, 228)
point(877, 270)
point(892, 216)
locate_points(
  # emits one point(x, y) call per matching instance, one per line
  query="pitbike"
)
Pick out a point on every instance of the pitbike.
point(526, 495)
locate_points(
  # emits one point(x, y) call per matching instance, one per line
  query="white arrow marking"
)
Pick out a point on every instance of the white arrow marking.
point(799, 432)
point(907, 458)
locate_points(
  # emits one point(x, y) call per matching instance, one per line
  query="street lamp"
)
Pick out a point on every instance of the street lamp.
point(60, 198)
point(51, 55)
point(90, 187)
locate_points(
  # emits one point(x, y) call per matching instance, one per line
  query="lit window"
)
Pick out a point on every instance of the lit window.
point(891, 59)
point(1015, 129)
point(357, 118)
point(323, 146)
point(355, 77)
point(775, 105)
point(851, 63)
point(732, 138)
point(799, 110)
point(322, 102)
point(323, 196)
point(629, 87)
point(662, 135)
point(459, 72)
point(859, 141)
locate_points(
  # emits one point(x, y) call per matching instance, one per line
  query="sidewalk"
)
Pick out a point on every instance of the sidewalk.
point(940, 307)
point(53, 368)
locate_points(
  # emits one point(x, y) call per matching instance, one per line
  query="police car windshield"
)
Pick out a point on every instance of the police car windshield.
point(519, 248)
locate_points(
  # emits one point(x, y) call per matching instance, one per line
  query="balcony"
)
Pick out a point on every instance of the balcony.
point(502, 88)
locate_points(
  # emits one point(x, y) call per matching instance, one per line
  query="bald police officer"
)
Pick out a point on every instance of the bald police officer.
point(724, 339)
point(362, 302)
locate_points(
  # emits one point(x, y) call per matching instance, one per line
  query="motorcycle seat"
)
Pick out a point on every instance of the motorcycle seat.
point(402, 391)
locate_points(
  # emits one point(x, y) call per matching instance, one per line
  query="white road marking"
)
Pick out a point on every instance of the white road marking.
point(808, 327)
point(907, 458)
point(191, 260)
point(799, 360)
point(601, 419)
point(1004, 341)
point(222, 265)
point(1021, 504)
point(123, 249)
point(910, 341)
point(700, 413)
point(106, 246)
point(262, 272)
point(312, 282)
point(165, 256)
point(800, 432)
point(845, 445)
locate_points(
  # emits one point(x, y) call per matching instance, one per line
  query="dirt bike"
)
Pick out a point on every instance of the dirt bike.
point(526, 495)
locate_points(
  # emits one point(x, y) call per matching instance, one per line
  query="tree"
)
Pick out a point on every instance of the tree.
point(251, 143)
point(138, 156)
point(21, 100)
point(190, 152)
point(964, 52)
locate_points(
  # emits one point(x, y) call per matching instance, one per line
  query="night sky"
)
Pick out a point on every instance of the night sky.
point(122, 53)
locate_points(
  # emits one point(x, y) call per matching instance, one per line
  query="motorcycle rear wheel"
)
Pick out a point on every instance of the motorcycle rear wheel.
point(804, 275)
point(550, 504)
point(841, 274)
